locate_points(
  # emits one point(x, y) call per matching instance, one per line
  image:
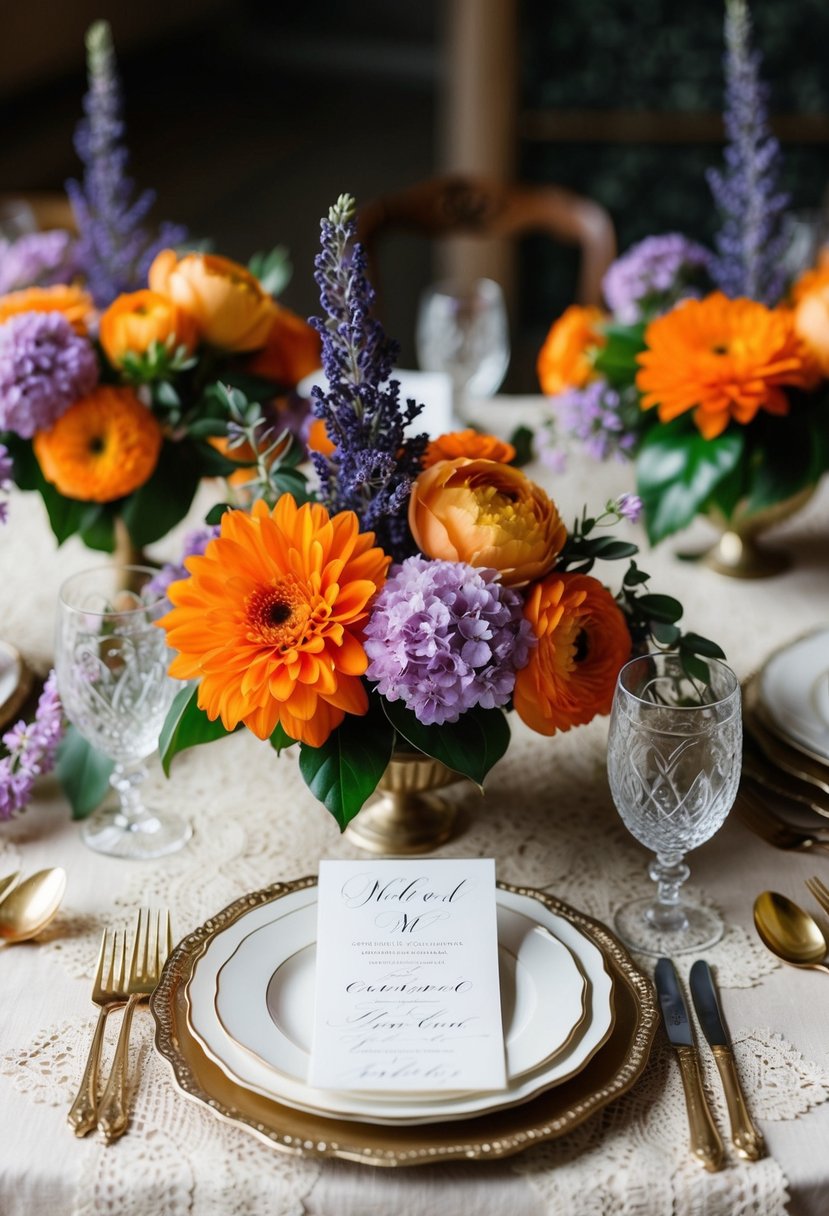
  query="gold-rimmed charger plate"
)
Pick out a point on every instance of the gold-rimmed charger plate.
point(792, 761)
point(15, 683)
point(610, 1073)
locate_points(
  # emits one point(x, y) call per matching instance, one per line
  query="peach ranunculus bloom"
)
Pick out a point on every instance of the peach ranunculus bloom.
point(472, 444)
point(134, 321)
point(564, 359)
point(105, 446)
point(75, 304)
point(230, 306)
point(583, 641)
point(291, 352)
point(810, 295)
point(486, 514)
point(271, 619)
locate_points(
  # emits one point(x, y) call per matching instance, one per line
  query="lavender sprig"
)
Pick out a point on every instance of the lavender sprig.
point(115, 247)
point(747, 191)
point(32, 749)
point(373, 464)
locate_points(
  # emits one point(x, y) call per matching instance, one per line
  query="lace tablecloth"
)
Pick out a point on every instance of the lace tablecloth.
point(548, 820)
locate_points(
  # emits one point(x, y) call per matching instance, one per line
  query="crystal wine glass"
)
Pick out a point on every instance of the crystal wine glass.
point(673, 762)
point(111, 660)
point(463, 331)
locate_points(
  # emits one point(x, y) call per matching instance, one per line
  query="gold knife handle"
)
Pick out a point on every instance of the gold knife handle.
point(747, 1140)
point(706, 1144)
point(113, 1113)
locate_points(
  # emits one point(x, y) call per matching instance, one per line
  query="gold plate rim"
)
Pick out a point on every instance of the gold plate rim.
point(485, 1136)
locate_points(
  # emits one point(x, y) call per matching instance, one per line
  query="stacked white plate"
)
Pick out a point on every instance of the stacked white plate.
point(250, 1004)
point(794, 694)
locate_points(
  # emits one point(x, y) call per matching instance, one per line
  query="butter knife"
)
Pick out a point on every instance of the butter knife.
point(706, 1143)
point(747, 1140)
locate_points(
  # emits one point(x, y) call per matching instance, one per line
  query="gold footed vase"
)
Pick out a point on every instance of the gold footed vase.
point(739, 554)
point(407, 817)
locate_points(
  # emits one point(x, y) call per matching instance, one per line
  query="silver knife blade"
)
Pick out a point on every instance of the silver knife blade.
point(674, 1012)
point(707, 1005)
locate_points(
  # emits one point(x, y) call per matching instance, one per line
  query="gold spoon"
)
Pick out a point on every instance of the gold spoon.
point(7, 882)
point(31, 905)
point(788, 931)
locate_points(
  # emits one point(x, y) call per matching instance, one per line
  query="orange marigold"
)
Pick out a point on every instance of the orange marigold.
point(723, 359)
point(472, 444)
point(105, 446)
point(564, 359)
point(583, 641)
point(270, 620)
point(75, 304)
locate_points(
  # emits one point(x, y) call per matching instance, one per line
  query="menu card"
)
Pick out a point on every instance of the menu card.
point(407, 992)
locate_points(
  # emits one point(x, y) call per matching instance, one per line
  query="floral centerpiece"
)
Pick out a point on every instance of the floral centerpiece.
point(420, 593)
point(117, 350)
point(706, 370)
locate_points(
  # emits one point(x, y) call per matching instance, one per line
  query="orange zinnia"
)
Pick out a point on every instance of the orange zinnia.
point(75, 304)
point(270, 620)
point(105, 446)
point(723, 359)
point(564, 359)
point(469, 443)
point(583, 641)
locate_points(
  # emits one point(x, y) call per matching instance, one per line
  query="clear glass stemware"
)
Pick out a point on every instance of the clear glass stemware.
point(111, 660)
point(673, 762)
point(462, 330)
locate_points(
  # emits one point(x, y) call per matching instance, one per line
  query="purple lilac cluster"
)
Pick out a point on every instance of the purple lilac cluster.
point(444, 637)
point(654, 274)
point(195, 543)
point(373, 465)
point(38, 259)
point(747, 190)
point(115, 247)
point(44, 367)
point(6, 470)
point(595, 416)
point(32, 749)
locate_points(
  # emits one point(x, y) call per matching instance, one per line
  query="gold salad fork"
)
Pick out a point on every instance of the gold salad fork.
point(109, 991)
point(820, 891)
point(153, 942)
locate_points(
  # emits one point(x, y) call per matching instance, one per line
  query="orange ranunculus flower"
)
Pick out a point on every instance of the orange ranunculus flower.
point(271, 618)
point(318, 439)
point(563, 361)
point(811, 313)
point(75, 304)
point(228, 303)
point(134, 321)
point(469, 443)
point(486, 514)
point(583, 641)
point(105, 446)
point(291, 352)
point(723, 359)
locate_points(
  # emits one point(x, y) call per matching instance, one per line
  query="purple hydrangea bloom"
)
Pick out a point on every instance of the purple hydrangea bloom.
point(444, 636)
point(32, 749)
point(595, 415)
point(747, 190)
point(38, 259)
point(6, 470)
point(630, 507)
point(44, 367)
point(654, 274)
point(115, 247)
point(195, 543)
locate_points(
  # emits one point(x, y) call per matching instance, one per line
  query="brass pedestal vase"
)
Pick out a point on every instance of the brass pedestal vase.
point(408, 816)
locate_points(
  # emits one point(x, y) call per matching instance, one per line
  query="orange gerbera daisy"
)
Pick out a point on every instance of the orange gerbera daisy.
point(105, 446)
point(583, 641)
point(469, 443)
point(563, 361)
point(75, 304)
point(723, 359)
point(270, 620)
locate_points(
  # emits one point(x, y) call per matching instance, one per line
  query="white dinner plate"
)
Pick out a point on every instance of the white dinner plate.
point(265, 993)
point(244, 1068)
point(794, 689)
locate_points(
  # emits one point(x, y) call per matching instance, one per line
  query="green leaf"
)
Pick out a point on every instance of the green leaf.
point(609, 550)
point(616, 360)
point(186, 726)
point(664, 634)
point(678, 471)
point(660, 607)
point(522, 440)
point(344, 772)
point(280, 739)
point(696, 668)
point(699, 645)
point(214, 515)
point(273, 269)
point(83, 773)
point(165, 499)
point(634, 577)
point(165, 394)
point(781, 461)
point(98, 532)
point(470, 746)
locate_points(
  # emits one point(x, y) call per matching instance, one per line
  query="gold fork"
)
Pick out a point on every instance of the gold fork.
point(109, 991)
point(820, 892)
point(153, 942)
